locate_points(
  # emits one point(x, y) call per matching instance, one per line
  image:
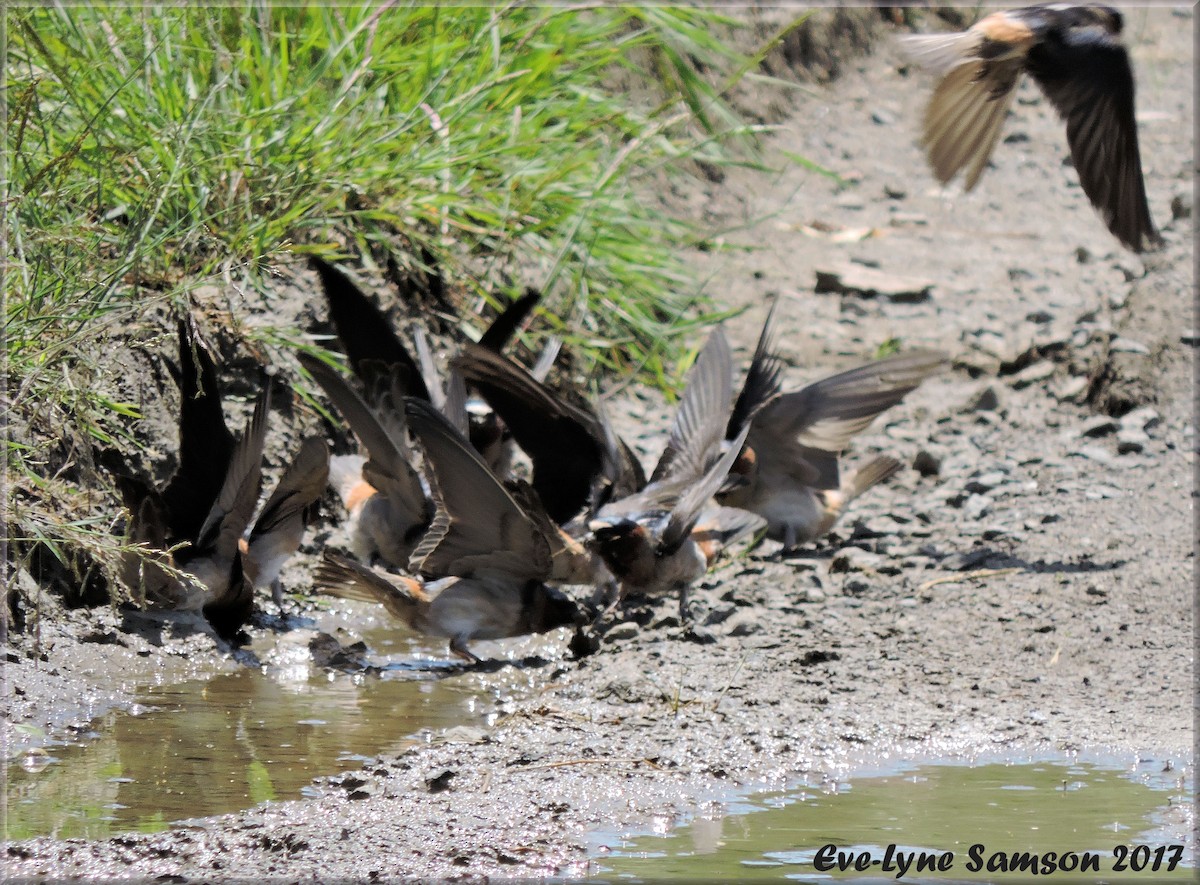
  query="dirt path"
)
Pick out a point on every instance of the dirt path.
point(880, 642)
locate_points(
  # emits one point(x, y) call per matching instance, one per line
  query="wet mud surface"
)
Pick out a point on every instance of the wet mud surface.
point(1029, 586)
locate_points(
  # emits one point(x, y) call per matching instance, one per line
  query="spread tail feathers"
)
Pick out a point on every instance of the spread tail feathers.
point(938, 53)
point(347, 579)
point(869, 475)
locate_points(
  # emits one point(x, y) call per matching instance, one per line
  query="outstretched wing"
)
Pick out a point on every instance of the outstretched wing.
point(1090, 83)
point(702, 416)
point(800, 434)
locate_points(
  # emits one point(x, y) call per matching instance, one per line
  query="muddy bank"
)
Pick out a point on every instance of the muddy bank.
point(1033, 590)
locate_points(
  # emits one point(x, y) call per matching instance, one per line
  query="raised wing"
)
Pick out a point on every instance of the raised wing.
point(363, 328)
point(298, 489)
point(564, 442)
point(703, 413)
point(388, 468)
point(205, 442)
point(478, 526)
point(800, 434)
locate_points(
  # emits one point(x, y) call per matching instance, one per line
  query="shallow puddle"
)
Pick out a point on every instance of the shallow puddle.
point(227, 743)
point(1033, 807)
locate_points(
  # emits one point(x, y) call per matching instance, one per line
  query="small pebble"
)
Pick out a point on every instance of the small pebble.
point(1131, 441)
point(987, 400)
point(622, 631)
point(977, 507)
point(927, 463)
point(855, 559)
point(1101, 425)
point(1094, 453)
point(1128, 345)
point(1181, 205)
point(1071, 389)
point(1039, 371)
point(986, 482)
point(1141, 419)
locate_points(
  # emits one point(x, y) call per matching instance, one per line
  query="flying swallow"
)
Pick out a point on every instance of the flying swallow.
point(280, 525)
point(387, 501)
point(646, 539)
point(788, 471)
point(1075, 54)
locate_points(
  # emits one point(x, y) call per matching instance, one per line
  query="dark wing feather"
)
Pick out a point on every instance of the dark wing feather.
point(502, 329)
point(205, 442)
point(703, 413)
point(762, 378)
point(389, 467)
point(478, 525)
point(231, 512)
point(363, 328)
point(696, 497)
point(1089, 81)
point(301, 484)
point(565, 443)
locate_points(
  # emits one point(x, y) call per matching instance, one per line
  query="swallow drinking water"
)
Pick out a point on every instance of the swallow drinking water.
point(1075, 54)
point(191, 528)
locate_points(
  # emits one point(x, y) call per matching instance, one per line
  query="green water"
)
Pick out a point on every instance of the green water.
point(227, 743)
point(1032, 807)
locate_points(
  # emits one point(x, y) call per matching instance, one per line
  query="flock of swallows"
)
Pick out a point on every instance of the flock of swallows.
point(450, 542)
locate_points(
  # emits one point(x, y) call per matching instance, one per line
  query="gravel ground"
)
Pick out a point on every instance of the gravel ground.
point(1028, 588)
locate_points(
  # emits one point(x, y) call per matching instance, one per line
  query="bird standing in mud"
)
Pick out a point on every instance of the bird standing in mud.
point(193, 527)
point(665, 536)
point(485, 560)
point(280, 525)
point(1076, 56)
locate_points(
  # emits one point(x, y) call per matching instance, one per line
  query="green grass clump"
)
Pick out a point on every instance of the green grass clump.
point(155, 149)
